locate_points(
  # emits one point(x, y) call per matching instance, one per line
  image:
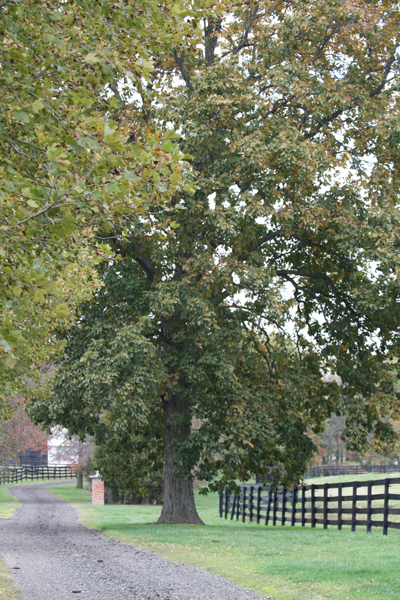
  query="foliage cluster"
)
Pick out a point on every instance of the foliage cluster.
point(131, 462)
point(68, 71)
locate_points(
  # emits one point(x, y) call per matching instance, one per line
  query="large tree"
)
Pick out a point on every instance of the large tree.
point(67, 71)
point(227, 308)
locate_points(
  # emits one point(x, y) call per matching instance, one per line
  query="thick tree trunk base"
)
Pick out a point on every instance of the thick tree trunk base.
point(166, 519)
point(179, 507)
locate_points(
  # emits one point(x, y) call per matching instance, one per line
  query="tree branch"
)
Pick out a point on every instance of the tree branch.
point(147, 265)
point(357, 101)
point(247, 26)
point(211, 39)
point(309, 275)
point(266, 238)
point(180, 64)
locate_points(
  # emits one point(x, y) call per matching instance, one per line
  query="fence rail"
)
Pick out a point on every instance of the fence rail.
point(350, 470)
point(19, 474)
point(357, 503)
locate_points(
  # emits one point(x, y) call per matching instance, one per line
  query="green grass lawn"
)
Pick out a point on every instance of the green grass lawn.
point(283, 562)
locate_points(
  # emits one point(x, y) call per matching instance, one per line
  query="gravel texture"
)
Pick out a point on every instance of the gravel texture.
point(52, 557)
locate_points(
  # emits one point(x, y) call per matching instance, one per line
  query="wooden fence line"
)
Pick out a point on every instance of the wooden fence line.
point(329, 471)
point(313, 504)
point(19, 474)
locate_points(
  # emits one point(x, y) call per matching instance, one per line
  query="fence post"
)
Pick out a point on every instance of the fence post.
point(294, 500)
point(369, 507)
point(386, 508)
point(238, 505)
point(251, 499)
point(313, 509)
point(354, 508)
point(221, 502)
point(325, 506)
point(259, 503)
point(275, 506)
point(233, 506)
point(268, 505)
point(226, 503)
point(340, 506)
point(244, 504)
point(303, 506)
point(283, 520)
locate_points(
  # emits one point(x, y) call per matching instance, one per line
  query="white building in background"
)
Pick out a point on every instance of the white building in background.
point(54, 447)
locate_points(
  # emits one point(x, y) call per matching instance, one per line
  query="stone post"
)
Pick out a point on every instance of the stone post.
point(98, 491)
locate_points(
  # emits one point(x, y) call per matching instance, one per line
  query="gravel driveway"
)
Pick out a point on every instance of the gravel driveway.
point(52, 557)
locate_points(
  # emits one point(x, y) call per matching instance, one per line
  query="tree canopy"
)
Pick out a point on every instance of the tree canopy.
point(224, 310)
point(68, 70)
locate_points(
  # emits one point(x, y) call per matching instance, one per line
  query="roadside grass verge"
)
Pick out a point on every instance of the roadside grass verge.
point(287, 563)
point(8, 590)
point(8, 504)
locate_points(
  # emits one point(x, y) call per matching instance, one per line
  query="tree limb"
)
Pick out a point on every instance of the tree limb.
point(180, 60)
point(211, 39)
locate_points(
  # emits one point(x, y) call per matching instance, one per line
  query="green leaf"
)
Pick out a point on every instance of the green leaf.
point(21, 117)
point(176, 9)
point(91, 58)
point(115, 141)
point(61, 311)
point(37, 106)
point(11, 361)
point(171, 135)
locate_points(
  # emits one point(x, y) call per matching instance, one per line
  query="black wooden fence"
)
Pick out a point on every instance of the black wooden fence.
point(350, 470)
point(354, 504)
point(19, 474)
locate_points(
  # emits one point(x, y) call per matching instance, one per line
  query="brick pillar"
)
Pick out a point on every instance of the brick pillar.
point(97, 491)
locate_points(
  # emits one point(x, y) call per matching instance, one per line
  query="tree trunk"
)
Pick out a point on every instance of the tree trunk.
point(179, 506)
point(79, 480)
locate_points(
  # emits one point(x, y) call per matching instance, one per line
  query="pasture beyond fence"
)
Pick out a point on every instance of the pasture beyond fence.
point(355, 504)
point(19, 474)
point(329, 471)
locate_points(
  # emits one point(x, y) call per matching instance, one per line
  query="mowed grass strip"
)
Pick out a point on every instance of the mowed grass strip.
point(8, 590)
point(287, 563)
point(8, 504)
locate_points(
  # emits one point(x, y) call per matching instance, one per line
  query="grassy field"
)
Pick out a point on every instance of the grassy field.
point(281, 562)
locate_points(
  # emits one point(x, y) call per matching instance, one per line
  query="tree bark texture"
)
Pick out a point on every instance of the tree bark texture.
point(79, 480)
point(179, 506)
